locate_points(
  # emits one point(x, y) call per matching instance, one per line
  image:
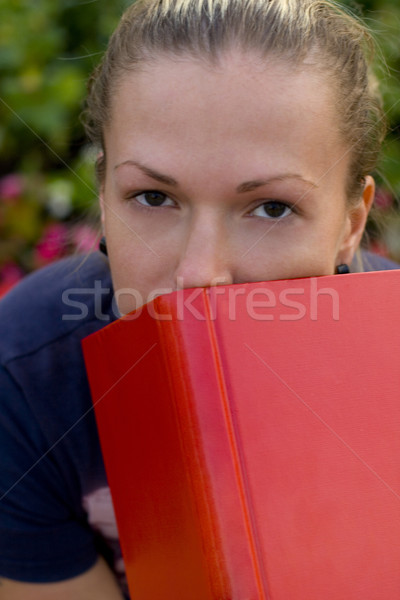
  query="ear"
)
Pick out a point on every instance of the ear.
point(101, 205)
point(355, 223)
point(100, 175)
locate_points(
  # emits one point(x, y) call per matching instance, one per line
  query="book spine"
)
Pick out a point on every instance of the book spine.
point(236, 452)
point(183, 391)
point(212, 459)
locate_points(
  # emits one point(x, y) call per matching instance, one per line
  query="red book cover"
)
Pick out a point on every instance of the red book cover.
point(251, 437)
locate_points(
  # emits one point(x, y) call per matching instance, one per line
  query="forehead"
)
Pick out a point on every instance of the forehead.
point(239, 110)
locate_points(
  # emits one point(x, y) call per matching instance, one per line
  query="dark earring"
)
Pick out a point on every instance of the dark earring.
point(103, 246)
point(342, 269)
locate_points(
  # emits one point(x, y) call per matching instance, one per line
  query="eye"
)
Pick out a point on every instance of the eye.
point(154, 199)
point(272, 210)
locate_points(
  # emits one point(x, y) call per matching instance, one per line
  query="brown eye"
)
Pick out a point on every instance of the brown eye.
point(272, 210)
point(154, 199)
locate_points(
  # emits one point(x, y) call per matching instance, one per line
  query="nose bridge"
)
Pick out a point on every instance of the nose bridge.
point(204, 258)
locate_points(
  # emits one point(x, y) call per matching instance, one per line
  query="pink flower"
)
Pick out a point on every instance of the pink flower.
point(383, 199)
point(53, 244)
point(84, 238)
point(10, 274)
point(11, 187)
point(5, 287)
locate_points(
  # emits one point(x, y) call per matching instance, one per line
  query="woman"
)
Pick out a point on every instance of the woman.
point(236, 142)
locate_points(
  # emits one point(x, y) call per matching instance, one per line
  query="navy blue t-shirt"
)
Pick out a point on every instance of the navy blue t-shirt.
point(55, 505)
point(56, 513)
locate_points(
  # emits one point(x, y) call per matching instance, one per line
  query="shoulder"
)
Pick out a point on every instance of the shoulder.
point(54, 302)
point(46, 413)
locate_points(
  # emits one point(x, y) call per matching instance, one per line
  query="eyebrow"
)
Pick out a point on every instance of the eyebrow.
point(149, 172)
point(247, 186)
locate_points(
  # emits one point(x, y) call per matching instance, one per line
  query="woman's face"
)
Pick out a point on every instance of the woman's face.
point(225, 174)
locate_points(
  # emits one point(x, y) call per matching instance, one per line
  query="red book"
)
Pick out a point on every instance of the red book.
point(251, 436)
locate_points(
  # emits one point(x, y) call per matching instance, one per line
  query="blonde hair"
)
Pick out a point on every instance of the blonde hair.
point(338, 43)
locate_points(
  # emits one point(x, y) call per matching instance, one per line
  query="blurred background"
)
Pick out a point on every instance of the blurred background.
point(47, 186)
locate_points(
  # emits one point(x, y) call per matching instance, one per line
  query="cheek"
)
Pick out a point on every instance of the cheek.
point(299, 263)
point(138, 269)
point(305, 251)
point(143, 251)
point(136, 274)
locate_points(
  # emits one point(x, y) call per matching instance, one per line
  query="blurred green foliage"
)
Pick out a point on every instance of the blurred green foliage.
point(383, 17)
point(47, 50)
point(47, 187)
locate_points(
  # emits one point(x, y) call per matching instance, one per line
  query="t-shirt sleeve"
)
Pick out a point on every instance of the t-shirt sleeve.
point(42, 537)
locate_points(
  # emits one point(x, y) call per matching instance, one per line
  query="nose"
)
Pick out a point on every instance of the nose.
point(204, 255)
